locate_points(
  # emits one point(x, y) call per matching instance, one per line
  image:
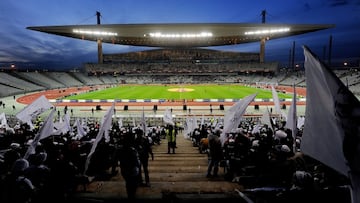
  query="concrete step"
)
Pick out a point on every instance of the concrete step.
point(175, 177)
point(162, 191)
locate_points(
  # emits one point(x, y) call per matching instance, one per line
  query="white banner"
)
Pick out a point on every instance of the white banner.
point(234, 114)
point(34, 109)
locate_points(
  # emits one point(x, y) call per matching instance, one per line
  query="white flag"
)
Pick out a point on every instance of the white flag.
point(292, 116)
point(168, 117)
point(48, 126)
point(266, 119)
point(143, 122)
point(79, 129)
point(233, 115)
point(188, 127)
point(67, 123)
point(292, 119)
point(106, 122)
point(191, 124)
point(85, 125)
point(256, 129)
point(103, 131)
point(37, 107)
point(332, 125)
point(276, 101)
point(3, 121)
point(195, 122)
point(133, 121)
point(45, 131)
point(215, 122)
point(300, 122)
point(63, 126)
point(120, 122)
point(58, 127)
point(202, 121)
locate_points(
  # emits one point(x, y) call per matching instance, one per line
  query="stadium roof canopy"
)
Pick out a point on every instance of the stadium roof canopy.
point(180, 34)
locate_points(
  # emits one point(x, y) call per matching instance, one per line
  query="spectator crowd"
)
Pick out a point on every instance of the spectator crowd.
point(255, 155)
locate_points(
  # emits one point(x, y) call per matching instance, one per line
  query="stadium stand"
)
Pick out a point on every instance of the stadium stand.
point(13, 81)
point(64, 78)
point(8, 90)
point(184, 68)
point(40, 79)
point(296, 78)
point(87, 80)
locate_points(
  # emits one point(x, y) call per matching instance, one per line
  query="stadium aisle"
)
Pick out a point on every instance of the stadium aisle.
point(181, 176)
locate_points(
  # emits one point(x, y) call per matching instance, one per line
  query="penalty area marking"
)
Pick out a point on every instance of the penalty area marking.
point(180, 90)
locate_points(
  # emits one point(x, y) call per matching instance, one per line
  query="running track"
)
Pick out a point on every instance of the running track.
point(60, 93)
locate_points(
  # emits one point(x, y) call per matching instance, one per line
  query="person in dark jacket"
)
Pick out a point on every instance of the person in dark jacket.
point(130, 165)
point(143, 147)
point(215, 155)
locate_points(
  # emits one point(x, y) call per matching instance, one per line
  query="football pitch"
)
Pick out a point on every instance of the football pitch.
point(177, 92)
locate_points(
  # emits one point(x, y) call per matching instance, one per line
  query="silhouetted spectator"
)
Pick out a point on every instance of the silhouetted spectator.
point(17, 188)
point(143, 147)
point(130, 166)
point(215, 155)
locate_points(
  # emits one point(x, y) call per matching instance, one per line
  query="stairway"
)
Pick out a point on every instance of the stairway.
point(179, 177)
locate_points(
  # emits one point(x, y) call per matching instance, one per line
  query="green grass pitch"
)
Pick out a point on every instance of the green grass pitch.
point(177, 92)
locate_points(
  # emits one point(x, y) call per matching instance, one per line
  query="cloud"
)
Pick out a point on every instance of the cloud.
point(335, 3)
point(307, 6)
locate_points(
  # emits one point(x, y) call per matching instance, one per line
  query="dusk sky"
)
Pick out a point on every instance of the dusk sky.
point(22, 45)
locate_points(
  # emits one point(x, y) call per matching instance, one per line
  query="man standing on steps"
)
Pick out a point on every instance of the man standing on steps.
point(215, 155)
point(143, 147)
point(130, 165)
point(171, 137)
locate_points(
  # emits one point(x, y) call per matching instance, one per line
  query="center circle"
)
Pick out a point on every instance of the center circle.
point(180, 90)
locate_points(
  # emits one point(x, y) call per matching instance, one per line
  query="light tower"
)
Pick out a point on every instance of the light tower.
point(330, 50)
point(263, 39)
point(99, 40)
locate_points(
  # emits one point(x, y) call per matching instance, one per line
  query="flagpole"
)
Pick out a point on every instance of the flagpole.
point(294, 115)
point(354, 186)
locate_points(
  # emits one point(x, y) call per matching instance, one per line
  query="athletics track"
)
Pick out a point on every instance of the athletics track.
point(60, 93)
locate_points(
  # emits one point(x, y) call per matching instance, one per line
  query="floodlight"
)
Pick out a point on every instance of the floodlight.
point(180, 35)
point(267, 31)
point(94, 32)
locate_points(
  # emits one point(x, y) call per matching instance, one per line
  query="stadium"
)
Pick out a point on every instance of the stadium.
point(179, 61)
point(185, 76)
point(181, 58)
